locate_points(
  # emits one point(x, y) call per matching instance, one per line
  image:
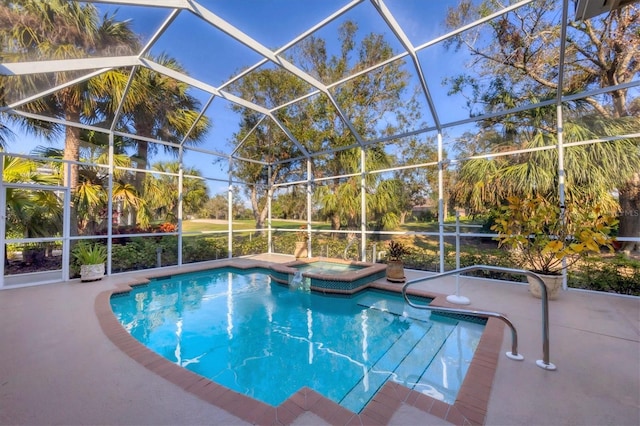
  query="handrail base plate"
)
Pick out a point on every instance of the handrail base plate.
point(540, 363)
point(518, 357)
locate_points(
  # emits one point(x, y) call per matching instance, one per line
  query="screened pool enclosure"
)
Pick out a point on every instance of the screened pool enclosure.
point(180, 131)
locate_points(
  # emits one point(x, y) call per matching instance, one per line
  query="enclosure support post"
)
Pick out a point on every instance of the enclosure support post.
point(309, 189)
point(561, 171)
point(3, 218)
point(180, 205)
point(110, 204)
point(441, 201)
point(230, 212)
point(363, 206)
point(269, 197)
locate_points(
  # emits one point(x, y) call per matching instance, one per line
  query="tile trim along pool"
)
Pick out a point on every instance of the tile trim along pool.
point(469, 408)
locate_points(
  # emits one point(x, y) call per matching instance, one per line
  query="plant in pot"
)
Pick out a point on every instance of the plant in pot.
point(302, 238)
point(395, 265)
point(91, 258)
point(545, 243)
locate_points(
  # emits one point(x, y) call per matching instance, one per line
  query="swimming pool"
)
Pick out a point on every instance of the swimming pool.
point(262, 339)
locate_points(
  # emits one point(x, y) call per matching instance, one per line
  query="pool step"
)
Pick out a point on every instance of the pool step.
point(379, 373)
point(395, 307)
point(417, 346)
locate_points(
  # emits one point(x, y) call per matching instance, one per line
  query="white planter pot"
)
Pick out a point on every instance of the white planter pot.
point(91, 272)
point(552, 282)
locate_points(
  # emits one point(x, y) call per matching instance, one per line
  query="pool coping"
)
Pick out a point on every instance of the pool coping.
point(470, 407)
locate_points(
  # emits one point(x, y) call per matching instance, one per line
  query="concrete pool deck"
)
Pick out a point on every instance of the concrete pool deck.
point(57, 366)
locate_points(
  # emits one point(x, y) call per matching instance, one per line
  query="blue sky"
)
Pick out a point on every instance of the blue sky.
point(212, 57)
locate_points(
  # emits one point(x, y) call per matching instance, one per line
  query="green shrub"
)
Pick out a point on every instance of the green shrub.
point(89, 254)
point(141, 253)
point(199, 249)
point(254, 244)
point(616, 275)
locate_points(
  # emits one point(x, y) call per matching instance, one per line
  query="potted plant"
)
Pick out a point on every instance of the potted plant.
point(302, 238)
point(395, 265)
point(545, 243)
point(91, 258)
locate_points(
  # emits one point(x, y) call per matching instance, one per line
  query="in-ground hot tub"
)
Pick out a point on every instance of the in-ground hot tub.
point(329, 275)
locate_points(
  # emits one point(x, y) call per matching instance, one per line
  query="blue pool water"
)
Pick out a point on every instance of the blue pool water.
point(324, 267)
point(240, 330)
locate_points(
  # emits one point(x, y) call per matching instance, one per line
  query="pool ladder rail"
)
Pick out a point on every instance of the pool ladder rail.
point(513, 354)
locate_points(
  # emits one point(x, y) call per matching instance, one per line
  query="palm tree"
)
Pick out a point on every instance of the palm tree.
point(59, 29)
point(31, 213)
point(161, 192)
point(91, 196)
point(340, 198)
point(592, 171)
point(514, 62)
point(160, 107)
point(5, 134)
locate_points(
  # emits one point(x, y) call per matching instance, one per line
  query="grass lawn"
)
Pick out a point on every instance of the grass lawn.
point(197, 226)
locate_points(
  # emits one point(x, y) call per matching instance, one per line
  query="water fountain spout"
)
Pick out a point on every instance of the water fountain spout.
point(296, 281)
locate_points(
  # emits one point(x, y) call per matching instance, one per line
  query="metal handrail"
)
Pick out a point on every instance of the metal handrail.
point(544, 363)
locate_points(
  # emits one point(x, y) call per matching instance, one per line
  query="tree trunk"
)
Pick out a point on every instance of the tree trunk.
point(335, 221)
point(629, 197)
point(403, 216)
point(141, 163)
point(72, 153)
point(259, 215)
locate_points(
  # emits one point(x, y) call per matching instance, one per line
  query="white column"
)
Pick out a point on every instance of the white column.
point(180, 201)
point(110, 204)
point(3, 218)
point(230, 212)
point(309, 189)
point(269, 214)
point(363, 206)
point(441, 201)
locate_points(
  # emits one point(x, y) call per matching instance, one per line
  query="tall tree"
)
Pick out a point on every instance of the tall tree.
point(516, 57)
point(267, 141)
point(318, 125)
point(31, 213)
point(161, 191)
point(160, 107)
point(364, 100)
point(91, 195)
point(418, 184)
point(592, 170)
point(58, 29)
